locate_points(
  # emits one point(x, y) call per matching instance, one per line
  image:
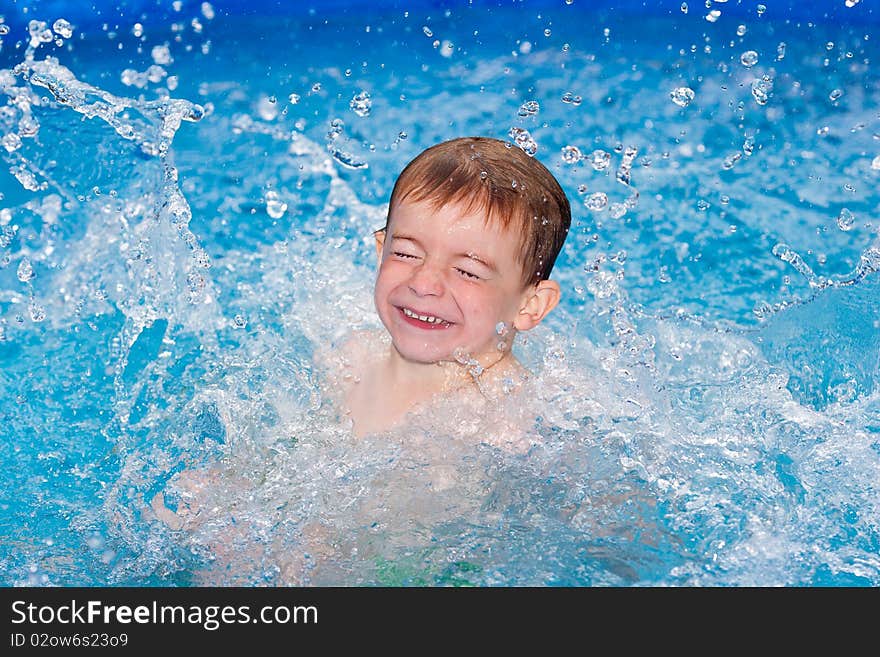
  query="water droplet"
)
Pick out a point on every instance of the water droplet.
point(761, 9)
point(38, 313)
point(25, 271)
point(207, 10)
point(427, 31)
point(713, 16)
point(501, 328)
point(483, 175)
point(523, 139)
point(835, 94)
point(529, 108)
point(361, 104)
point(682, 96)
point(616, 210)
point(703, 205)
point(845, 220)
point(275, 208)
point(161, 55)
point(63, 28)
point(293, 99)
point(11, 142)
point(749, 58)
point(741, 30)
point(852, 3)
point(684, 7)
point(597, 201)
point(731, 160)
point(239, 321)
point(600, 160)
point(780, 51)
point(571, 154)
point(196, 284)
point(762, 89)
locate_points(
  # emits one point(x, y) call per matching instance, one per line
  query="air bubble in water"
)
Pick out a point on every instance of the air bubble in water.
point(749, 58)
point(597, 201)
point(275, 207)
point(63, 28)
point(845, 220)
point(600, 159)
point(529, 108)
point(361, 104)
point(524, 140)
point(25, 271)
point(571, 154)
point(682, 96)
point(762, 88)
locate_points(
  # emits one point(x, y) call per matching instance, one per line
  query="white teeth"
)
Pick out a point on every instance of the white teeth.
point(425, 318)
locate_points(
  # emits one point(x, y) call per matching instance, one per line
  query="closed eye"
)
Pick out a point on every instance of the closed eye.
point(401, 254)
point(467, 274)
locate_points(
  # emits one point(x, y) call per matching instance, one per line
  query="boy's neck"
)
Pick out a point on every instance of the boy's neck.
point(443, 376)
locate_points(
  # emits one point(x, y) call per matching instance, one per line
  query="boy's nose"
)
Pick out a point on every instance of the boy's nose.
point(426, 281)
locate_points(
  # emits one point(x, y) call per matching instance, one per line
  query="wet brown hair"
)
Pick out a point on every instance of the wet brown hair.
point(496, 177)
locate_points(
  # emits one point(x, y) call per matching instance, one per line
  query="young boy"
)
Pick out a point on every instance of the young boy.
point(473, 231)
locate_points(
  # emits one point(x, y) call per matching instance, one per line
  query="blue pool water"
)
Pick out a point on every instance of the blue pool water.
point(188, 192)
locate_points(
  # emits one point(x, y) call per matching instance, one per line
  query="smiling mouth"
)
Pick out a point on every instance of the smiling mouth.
point(423, 321)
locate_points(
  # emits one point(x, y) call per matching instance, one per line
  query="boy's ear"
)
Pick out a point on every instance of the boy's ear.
point(380, 242)
point(537, 303)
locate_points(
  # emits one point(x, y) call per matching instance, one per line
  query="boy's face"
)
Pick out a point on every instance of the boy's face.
point(446, 279)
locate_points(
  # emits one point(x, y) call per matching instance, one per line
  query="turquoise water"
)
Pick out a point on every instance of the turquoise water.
point(187, 201)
